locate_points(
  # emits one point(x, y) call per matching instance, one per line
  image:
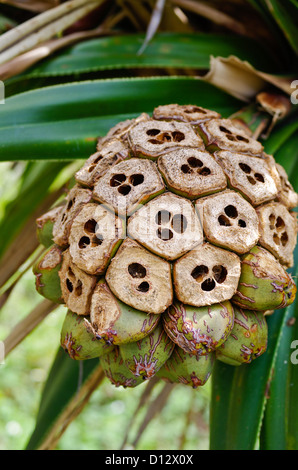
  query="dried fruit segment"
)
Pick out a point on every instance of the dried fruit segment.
point(78, 341)
point(129, 184)
point(229, 221)
point(154, 138)
point(76, 286)
point(199, 330)
point(75, 200)
point(140, 279)
point(187, 369)
point(144, 358)
point(278, 230)
point(191, 173)
point(248, 338)
point(287, 195)
point(206, 275)
point(264, 284)
point(95, 235)
point(167, 226)
point(46, 271)
point(184, 113)
point(224, 134)
point(116, 322)
point(110, 154)
point(249, 175)
point(45, 225)
point(120, 130)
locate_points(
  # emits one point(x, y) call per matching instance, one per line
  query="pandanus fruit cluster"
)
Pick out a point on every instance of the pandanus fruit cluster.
point(171, 248)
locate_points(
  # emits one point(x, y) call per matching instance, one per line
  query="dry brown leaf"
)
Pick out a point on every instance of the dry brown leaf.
point(241, 80)
point(43, 27)
point(32, 5)
point(211, 13)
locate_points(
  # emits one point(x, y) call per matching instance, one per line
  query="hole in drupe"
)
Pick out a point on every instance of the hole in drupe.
point(242, 139)
point(245, 167)
point(241, 223)
point(69, 285)
point(116, 180)
point(199, 272)
point(84, 241)
point(124, 189)
point(143, 287)
point(224, 221)
point(186, 169)
point(153, 132)
point(204, 171)
point(220, 273)
point(208, 285)
point(259, 177)
point(284, 239)
point(179, 223)
point(163, 217)
point(195, 162)
point(136, 270)
point(231, 211)
point(178, 136)
point(79, 288)
point(164, 234)
point(90, 226)
point(136, 179)
point(279, 223)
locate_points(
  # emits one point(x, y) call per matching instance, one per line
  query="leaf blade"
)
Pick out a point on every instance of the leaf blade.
point(29, 128)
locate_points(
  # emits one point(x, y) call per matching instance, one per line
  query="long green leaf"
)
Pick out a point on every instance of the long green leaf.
point(285, 15)
point(281, 411)
point(62, 122)
point(271, 21)
point(282, 134)
point(61, 386)
point(115, 56)
point(165, 50)
point(239, 397)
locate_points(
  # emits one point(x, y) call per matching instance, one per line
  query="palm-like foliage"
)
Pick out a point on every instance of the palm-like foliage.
point(66, 89)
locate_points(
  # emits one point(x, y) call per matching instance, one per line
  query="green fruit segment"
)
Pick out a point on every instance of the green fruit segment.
point(199, 330)
point(44, 226)
point(116, 370)
point(144, 358)
point(78, 341)
point(263, 284)
point(116, 322)
point(248, 338)
point(187, 369)
point(46, 271)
